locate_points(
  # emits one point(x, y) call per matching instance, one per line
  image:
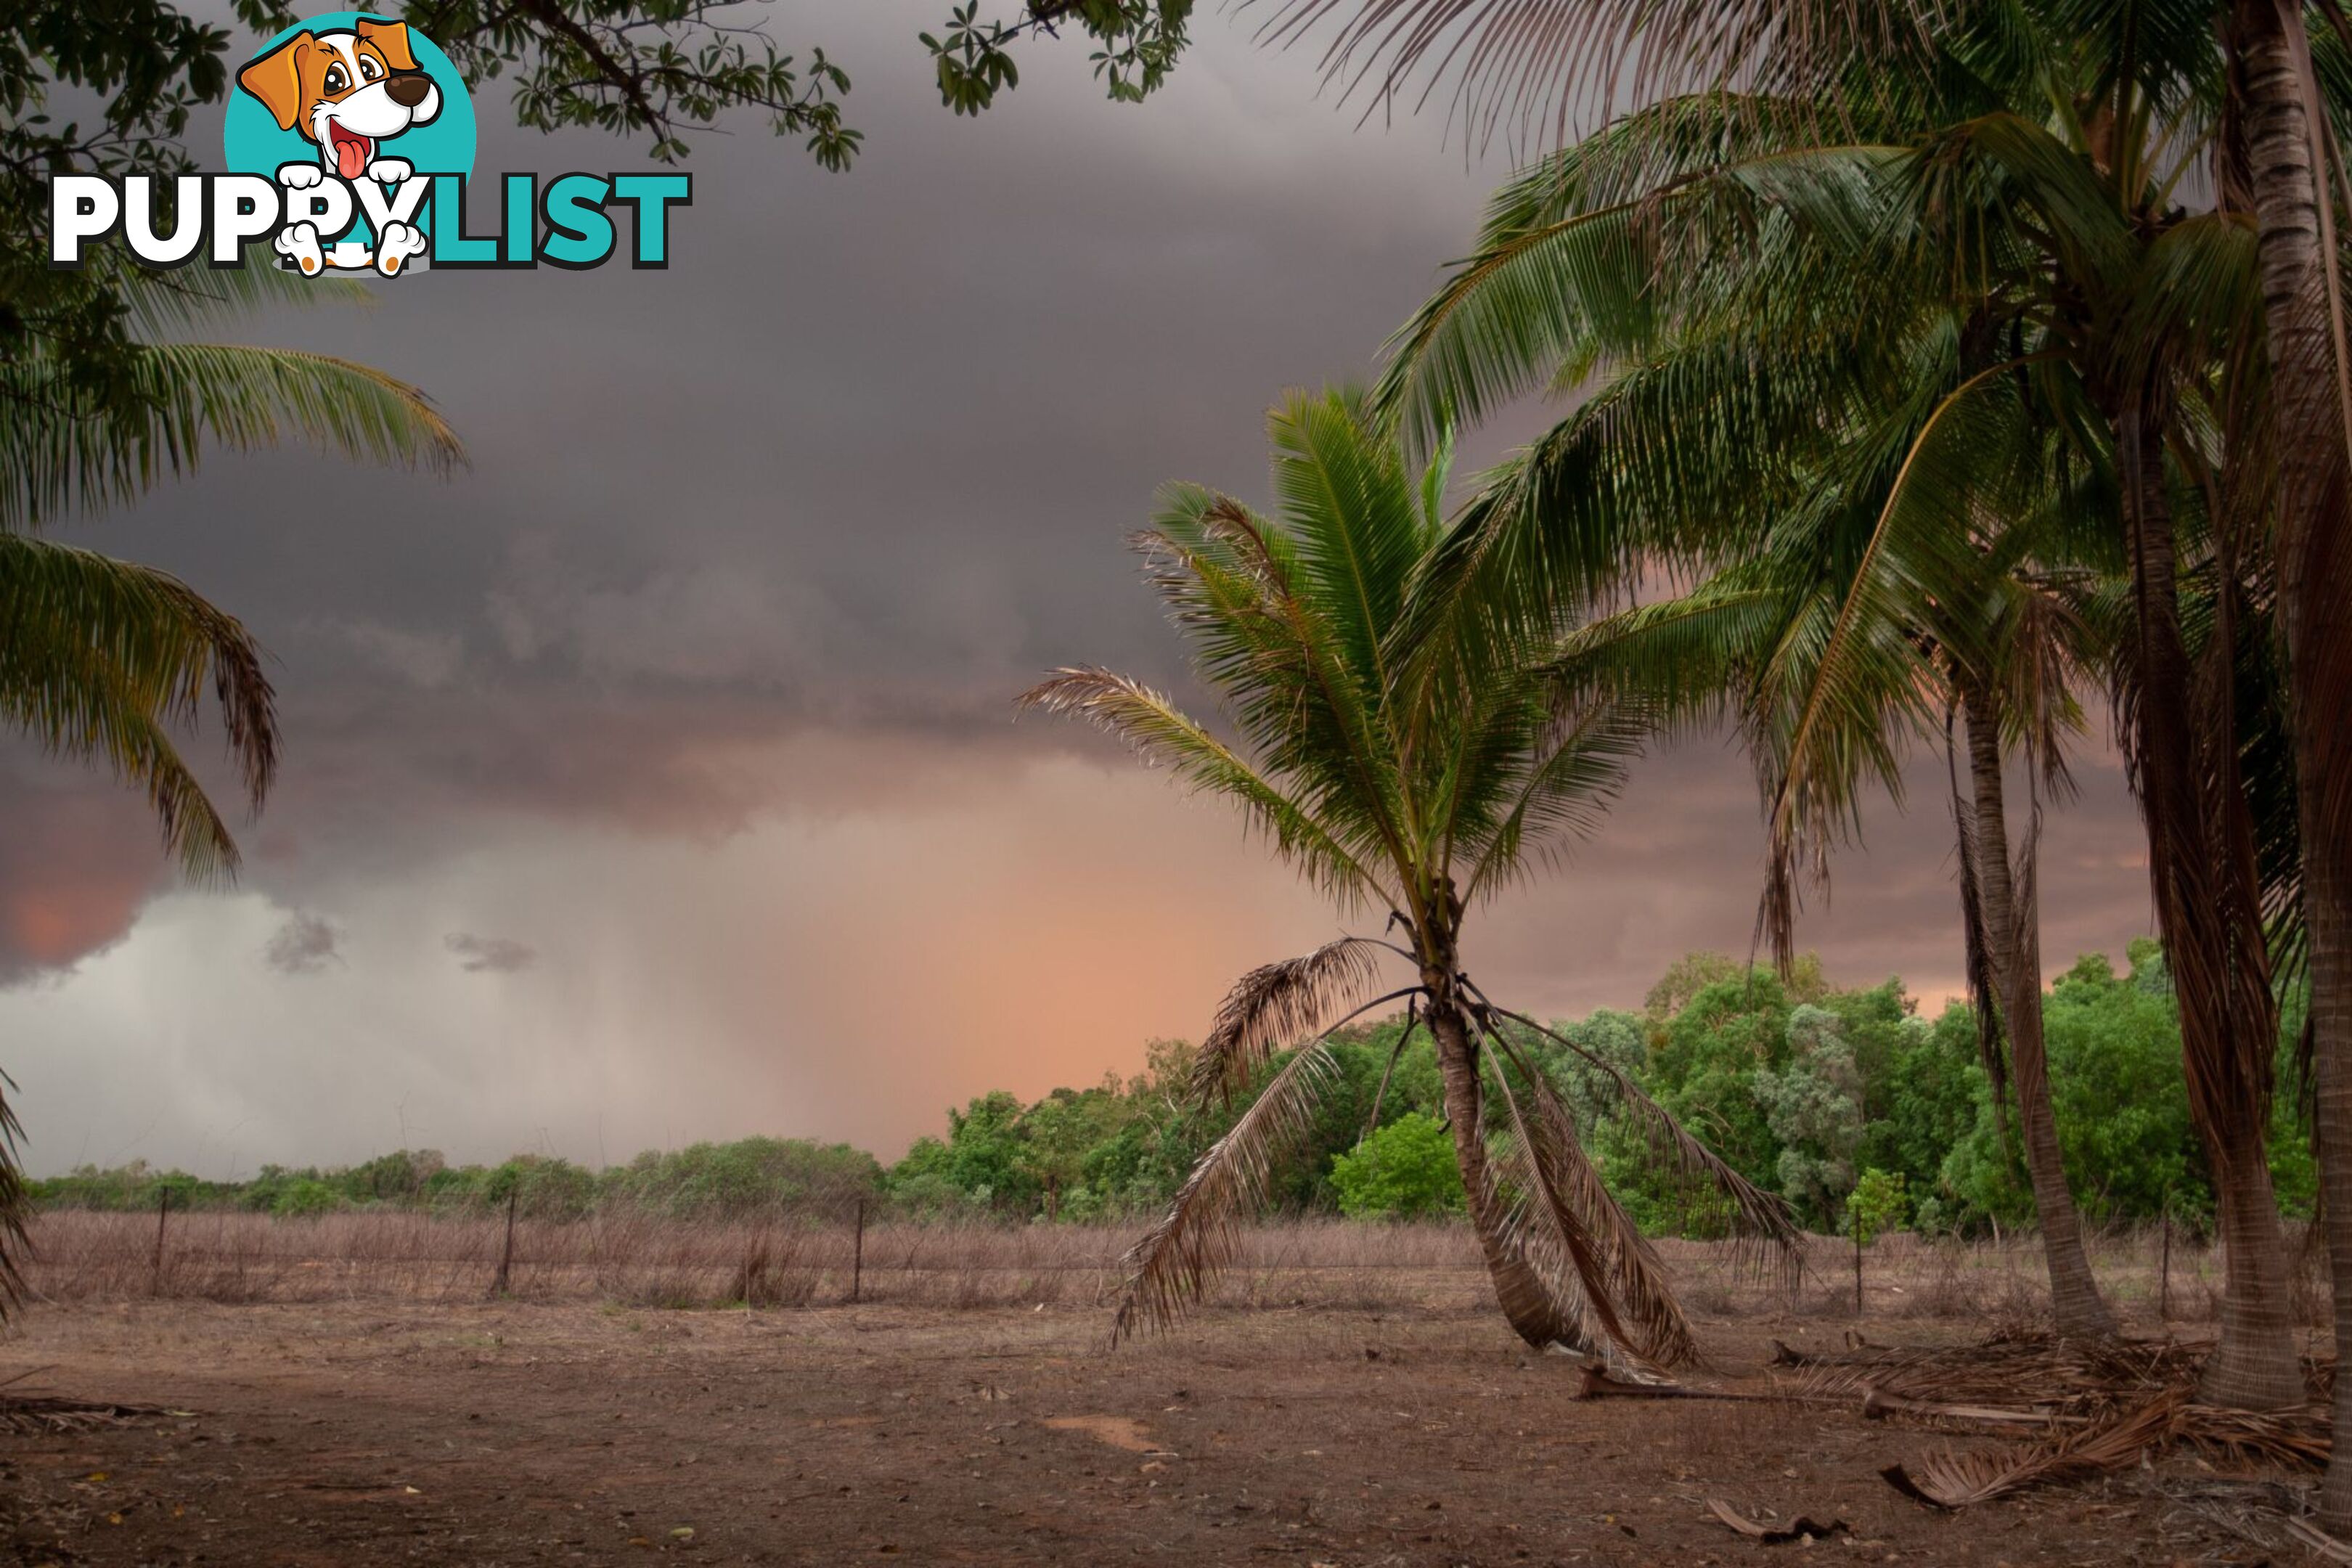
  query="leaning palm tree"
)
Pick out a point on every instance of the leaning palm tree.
point(1409, 770)
point(102, 660)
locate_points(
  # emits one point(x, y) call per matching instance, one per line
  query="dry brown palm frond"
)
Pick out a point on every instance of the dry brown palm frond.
point(1804, 1529)
point(2028, 1372)
point(16, 1205)
point(30, 1414)
point(2045, 635)
point(1279, 1004)
point(1553, 1234)
point(1710, 1189)
point(1955, 1480)
point(2111, 1401)
point(1877, 1404)
point(1619, 1273)
point(1171, 1266)
point(2299, 1439)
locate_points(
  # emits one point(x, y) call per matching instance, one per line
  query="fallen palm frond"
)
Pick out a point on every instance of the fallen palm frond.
point(2028, 1373)
point(28, 1415)
point(2297, 1438)
point(1877, 1404)
point(1596, 1383)
point(1802, 1529)
point(2105, 1403)
point(2318, 1542)
point(1954, 1480)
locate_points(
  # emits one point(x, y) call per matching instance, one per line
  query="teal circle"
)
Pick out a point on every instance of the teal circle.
point(253, 144)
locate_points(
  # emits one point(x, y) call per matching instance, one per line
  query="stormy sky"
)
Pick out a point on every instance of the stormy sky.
point(656, 778)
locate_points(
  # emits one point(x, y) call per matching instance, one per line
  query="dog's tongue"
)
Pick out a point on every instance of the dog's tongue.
point(351, 156)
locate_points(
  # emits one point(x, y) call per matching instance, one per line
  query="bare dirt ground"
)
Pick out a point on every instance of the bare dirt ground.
point(362, 1432)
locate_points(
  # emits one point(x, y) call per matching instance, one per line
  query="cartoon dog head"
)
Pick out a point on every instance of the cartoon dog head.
point(347, 91)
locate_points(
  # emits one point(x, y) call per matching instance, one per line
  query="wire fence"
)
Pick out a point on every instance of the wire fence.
point(828, 1254)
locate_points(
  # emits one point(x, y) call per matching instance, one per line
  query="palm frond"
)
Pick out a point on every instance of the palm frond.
point(1539, 68)
point(67, 446)
point(1278, 1005)
point(1163, 737)
point(1621, 1282)
point(1713, 1192)
point(100, 658)
point(16, 1205)
point(1171, 1268)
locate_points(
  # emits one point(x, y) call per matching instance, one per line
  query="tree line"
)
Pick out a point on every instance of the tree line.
point(1812, 1090)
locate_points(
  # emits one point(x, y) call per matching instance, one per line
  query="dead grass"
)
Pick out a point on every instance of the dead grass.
point(644, 1260)
point(639, 1259)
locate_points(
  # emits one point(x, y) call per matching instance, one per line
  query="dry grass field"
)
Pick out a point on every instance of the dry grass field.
point(343, 1391)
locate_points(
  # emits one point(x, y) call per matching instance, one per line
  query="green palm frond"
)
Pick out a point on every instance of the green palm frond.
point(1558, 285)
point(101, 659)
point(1164, 737)
point(64, 447)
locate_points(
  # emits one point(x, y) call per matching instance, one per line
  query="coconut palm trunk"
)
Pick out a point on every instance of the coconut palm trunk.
point(1534, 1313)
point(2208, 910)
point(2012, 922)
point(2270, 52)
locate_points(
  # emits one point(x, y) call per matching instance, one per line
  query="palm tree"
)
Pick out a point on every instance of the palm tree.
point(1739, 281)
point(1747, 638)
point(101, 659)
point(1410, 771)
point(2295, 170)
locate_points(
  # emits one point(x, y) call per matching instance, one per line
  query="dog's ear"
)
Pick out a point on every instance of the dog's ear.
point(276, 79)
point(392, 38)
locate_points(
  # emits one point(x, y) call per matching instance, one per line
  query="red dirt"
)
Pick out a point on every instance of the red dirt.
point(367, 1433)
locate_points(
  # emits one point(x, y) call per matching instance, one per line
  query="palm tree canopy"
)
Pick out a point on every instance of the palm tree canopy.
point(1365, 749)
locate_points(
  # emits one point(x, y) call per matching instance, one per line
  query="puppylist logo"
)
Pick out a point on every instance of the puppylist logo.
point(350, 146)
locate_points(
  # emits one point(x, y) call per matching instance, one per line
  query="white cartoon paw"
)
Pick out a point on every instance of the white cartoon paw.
point(300, 241)
point(395, 244)
point(299, 176)
point(389, 171)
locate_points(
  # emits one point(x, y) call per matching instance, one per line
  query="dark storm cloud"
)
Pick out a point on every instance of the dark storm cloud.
point(489, 954)
point(863, 458)
point(700, 672)
point(305, 944)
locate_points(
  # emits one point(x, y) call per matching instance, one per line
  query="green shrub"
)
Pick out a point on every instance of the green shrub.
point(1406, 1168)
point(305, 1195)
point(1877, 1202)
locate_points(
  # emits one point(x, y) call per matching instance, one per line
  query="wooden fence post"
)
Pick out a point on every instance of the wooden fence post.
point(163, 1214)
point(2164, 1274)
point(500, 1286)
point(1857, 1263)
point(858, 1255)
